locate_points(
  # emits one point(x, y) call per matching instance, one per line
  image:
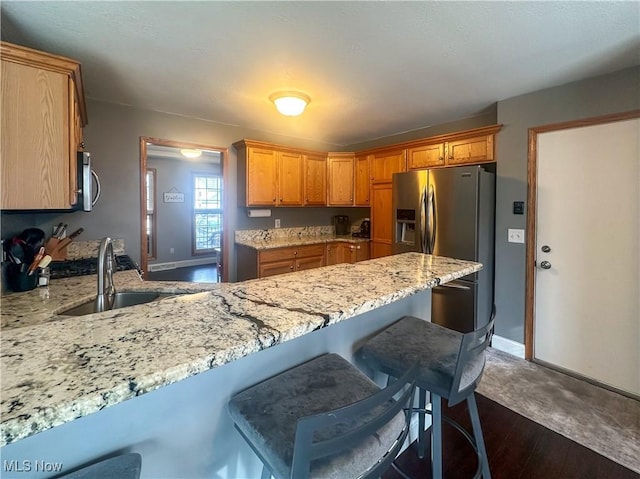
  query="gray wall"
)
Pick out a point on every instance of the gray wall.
point(613, 93)
point(113, 136)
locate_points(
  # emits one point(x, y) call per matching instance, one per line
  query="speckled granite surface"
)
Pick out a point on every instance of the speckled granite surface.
point(89, 249)
point(284, 237)
point(57, 369)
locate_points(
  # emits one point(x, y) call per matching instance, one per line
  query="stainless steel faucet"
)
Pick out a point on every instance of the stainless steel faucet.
point(106, 289)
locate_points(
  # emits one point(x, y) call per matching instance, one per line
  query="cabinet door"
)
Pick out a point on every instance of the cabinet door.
point(37, 160)
point(261, 176)
point(309, 263)
point(362, 251)
point(275, 267)
point(362, 181)
point(332, 254)
point(381, 213)
point(378, 250)
point(383, 165)
point(290, 179)
point(425, 156)
point(340, 180)
point(470, 150)
point(315, 180)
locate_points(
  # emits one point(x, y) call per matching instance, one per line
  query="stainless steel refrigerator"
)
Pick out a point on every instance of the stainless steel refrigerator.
point(450, 212)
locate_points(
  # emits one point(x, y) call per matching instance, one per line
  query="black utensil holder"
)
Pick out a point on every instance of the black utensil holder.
point(18, 279)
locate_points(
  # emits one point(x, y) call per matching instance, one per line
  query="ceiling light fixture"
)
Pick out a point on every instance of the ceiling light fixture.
point(290, 103)
point(191, 153)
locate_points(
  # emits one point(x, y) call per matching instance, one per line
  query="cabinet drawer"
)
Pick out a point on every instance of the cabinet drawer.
point(275, 267)
point(291, 253)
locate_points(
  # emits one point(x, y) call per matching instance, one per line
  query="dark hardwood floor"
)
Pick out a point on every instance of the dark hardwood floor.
point(207, 273)
point(517, 448)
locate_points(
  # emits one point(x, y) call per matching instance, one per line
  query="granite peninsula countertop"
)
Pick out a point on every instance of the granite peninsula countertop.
point(59, 368)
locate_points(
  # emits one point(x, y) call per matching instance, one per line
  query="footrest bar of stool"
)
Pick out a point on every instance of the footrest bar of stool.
point(466, 435)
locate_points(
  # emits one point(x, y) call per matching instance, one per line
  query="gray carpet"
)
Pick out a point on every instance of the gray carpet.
point(601, 420)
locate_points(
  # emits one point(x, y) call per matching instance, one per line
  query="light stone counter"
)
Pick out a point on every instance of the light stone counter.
point(56, 369)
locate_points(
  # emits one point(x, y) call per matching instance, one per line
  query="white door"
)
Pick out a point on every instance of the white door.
point(587, 303)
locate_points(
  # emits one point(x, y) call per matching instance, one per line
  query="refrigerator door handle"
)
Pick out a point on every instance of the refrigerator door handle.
point(455, 286)
point(432, 218)
point(423, 222)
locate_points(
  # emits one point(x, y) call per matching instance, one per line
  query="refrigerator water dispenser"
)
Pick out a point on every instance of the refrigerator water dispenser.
point(406, 226)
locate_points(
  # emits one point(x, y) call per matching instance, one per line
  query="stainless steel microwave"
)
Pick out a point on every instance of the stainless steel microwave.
point(88, 183)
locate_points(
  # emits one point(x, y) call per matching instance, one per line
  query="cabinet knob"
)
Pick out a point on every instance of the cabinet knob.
point(291, 267)
point(442, 158)
point(295, 253)
point(274, 200)
point(298, 266)
point(280, 200)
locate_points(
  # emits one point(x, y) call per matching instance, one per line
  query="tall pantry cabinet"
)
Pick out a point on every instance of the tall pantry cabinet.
point(43, 113)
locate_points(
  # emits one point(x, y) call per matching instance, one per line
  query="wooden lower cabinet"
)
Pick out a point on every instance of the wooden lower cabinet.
point(261, 264)
point(254, 264)
point(342, 252)
point(378, 250)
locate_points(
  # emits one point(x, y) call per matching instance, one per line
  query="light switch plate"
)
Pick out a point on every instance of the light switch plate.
point(515, 236)
point(277, 223)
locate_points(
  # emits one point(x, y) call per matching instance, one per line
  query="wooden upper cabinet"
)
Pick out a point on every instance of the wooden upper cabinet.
point(290, 179)
point(362, 187)
point(268, 176)
point(340, 178)
point(470, 150)
point(426, 156)
point(315, 180)
point(461, 148)
point(261, 177)
point(384, 164)
point(43, 112)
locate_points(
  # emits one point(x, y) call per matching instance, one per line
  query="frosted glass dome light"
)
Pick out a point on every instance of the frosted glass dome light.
point(290, 103)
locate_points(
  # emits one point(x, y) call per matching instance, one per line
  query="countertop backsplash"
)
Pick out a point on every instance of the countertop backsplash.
point(242, 236)
point(89, 249)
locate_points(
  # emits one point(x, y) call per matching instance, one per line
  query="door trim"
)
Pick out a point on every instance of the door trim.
point(530, 243)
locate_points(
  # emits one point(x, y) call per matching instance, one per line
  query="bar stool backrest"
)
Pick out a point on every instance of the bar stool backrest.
point(372, 412)
point(471, 361)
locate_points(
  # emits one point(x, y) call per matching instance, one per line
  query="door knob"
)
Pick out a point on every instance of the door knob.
point(546, 249)
point(545, 265)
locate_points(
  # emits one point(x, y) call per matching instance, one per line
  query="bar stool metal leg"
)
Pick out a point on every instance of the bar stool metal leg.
point(477, 433)
point(436, 436)
point(422, 437)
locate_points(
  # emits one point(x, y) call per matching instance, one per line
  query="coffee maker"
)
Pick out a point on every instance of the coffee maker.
point(365, 229)
point(342, 225)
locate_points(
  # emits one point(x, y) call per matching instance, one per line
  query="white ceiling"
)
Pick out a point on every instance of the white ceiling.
point(372, 69)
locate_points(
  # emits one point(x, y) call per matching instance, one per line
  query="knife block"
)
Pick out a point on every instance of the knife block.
point(50, 249)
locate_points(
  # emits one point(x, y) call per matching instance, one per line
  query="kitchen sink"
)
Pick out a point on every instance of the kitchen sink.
point(121, 300)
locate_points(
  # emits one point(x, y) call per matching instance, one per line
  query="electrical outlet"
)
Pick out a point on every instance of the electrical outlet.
point(515, 236)
point(277, 223)
point(171, 250)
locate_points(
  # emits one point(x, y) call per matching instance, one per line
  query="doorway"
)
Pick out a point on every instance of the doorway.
point(183, 196)
point(582, 304)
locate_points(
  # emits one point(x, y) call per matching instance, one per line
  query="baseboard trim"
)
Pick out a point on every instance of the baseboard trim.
point(181, 264)
point(508, 346)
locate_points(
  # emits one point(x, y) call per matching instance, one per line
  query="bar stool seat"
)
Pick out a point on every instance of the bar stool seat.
point(450, 365)
point(324, 419)
point(123, 466)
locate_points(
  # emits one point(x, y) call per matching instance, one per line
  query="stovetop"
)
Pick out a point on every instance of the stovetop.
point(81, 267)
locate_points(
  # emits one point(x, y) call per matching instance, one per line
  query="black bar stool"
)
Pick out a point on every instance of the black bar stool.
point(124, 466)
point(450, 365)
point(324, 419)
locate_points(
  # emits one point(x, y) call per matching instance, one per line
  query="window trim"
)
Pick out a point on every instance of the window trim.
point(210, 251)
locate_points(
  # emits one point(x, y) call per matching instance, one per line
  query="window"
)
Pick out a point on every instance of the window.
point(207, 213)
point(150, 182)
